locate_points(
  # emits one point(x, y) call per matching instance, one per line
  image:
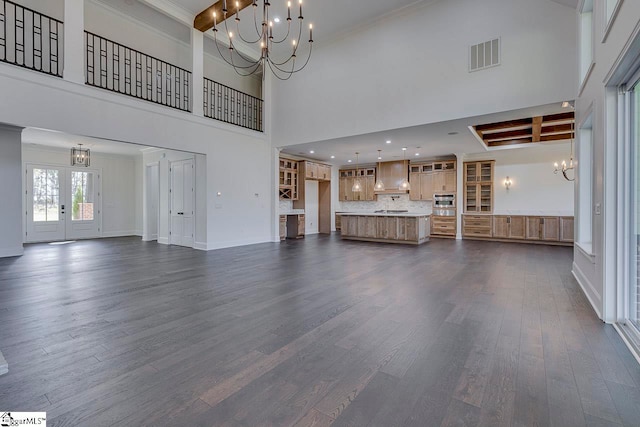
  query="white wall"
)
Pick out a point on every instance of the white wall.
point(10, 191)
point(119, 178)
point(412, 69)
point(598, 282)
point(237, 160)
point(311, 206)
point(535, 188)
point(139, 194)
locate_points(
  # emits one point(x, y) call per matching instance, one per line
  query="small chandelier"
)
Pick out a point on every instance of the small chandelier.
point(379, 184)
point(563, 167)
point(80, 156)
point(357, 185)
point(283, 66)
point(404, 184)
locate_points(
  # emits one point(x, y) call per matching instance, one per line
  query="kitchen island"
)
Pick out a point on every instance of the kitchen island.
point(386, 226)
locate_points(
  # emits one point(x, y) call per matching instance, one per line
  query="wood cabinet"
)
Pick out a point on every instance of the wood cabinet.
point(433, 177)
point(386, 228)
point(316, 171)
point(283, 227)
point(367, 177)
point(567, 229)
point(478, 186)
point(288, 179)
point(477, 225)
point(539, 229)
point(508, 227)
point(443, 226)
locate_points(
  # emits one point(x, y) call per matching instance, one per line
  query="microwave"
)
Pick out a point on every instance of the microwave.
point(444, 200)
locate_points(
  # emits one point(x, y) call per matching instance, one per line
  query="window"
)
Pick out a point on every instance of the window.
point(82, 196)
point(586, 41)
point(633, 229)
point(584, 150)
point(46, 195)
point(611, 8)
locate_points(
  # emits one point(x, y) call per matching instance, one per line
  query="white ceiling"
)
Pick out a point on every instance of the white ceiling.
point(47, 138)
point(571, 3)
point(431, 140)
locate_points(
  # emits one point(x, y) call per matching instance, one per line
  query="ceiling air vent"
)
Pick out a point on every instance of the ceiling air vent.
point(484, 55)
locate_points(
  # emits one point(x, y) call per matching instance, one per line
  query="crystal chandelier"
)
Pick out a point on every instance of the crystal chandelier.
point(281, 63)
point(564, 167)
point(80, 156)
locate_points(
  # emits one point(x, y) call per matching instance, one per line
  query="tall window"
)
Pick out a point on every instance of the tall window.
point(586, 40)
point(633, 289)
point(82, 196)
point(46, 195)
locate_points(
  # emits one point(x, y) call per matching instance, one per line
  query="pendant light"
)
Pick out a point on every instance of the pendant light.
point(404, 184)
point(80, 156)
point(379, 184)
point(357, 185)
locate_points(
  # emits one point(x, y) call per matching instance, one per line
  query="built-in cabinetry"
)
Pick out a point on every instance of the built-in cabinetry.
point(528, 228)
point(412, 229)
point(432, 177)
point(443, 226)
point(315, 171)
point(288, 182)
point(367, 177)
point(292, 226)
point(478, 186)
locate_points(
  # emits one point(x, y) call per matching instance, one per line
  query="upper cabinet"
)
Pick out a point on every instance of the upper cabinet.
point(288, 179)
point(426, 179)
point(347, 177)
point(316, 171)
point(478, 186)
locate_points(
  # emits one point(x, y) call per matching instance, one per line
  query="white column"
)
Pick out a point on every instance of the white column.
point(11, 208)
point(74, 41)
point(459, 193)
point(197, 46)
point(267, 89)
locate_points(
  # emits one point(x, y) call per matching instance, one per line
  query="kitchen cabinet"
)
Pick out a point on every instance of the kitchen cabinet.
point(508, 227)
point(411, 229)
point(477, 225)
point(421, 186)
point(429, 178)
point(283, 227)
point(288, 179)
point(478, 186)
point(367, 177)
point(566, 229)
point(316, 171)
point(443, 226)
point(546, 228)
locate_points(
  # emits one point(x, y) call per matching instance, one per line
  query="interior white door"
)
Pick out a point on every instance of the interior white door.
point(62, 203)
point(45, 203)
point(182, 203)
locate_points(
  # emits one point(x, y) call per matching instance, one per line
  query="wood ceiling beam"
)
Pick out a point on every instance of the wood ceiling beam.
point(556, 128)
point(556, 137)
point(536, 129)
point(510, 142)
point(503, 125)
point(558, 117)
point(204, 20)
point(512, 134)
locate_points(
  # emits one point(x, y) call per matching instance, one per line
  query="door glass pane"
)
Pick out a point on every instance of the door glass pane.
point(634, 239)
point(46, 195)
point(82, 191)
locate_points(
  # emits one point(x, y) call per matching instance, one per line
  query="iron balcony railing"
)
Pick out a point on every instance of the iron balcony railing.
point(30, 39)
point(232, 106)
point(119, 68)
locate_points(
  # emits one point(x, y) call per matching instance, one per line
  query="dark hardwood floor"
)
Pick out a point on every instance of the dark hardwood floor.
point(309, 333)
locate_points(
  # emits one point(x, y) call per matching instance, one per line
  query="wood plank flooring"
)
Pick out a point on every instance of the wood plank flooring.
point(311, 332)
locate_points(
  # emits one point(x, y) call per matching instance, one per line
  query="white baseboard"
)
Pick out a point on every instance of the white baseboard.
point(236, 243)
point(119, 233)
point(587, 288)
point(163, 240)
point(9, 252)
point(201, 246)
point(626, 341)
point(149, 238)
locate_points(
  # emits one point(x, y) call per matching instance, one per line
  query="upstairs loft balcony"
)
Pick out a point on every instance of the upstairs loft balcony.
point(33, 40)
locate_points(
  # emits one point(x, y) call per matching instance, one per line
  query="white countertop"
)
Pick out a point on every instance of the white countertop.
point(293, 212)
point(402, 214)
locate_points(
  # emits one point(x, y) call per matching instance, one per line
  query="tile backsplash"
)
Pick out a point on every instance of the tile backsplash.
point(286, 206)
point(386, 201)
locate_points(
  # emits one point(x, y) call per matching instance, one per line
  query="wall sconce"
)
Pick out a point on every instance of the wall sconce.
point(507, 183)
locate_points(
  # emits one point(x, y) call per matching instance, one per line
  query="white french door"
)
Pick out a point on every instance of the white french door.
point(182, 203)
point(61, 203)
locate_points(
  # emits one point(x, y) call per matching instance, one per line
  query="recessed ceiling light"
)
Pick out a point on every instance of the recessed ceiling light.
point(311, 151)
point(333, 157)
point(276, 20)
point(404, 148)
point(388, 142)
point(417, 154)
point(349, 161)
point(452, 133)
